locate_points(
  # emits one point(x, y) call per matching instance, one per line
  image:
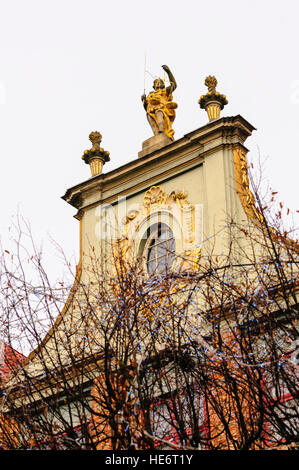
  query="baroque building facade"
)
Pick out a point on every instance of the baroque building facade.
point(165, 214)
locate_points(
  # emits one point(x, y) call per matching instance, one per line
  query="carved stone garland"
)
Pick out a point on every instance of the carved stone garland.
point(246, 196)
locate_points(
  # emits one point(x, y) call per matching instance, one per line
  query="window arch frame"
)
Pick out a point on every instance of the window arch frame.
point(143, 235)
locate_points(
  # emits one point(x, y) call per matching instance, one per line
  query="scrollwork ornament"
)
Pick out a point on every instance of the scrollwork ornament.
point(175, 204)
point(154, 195)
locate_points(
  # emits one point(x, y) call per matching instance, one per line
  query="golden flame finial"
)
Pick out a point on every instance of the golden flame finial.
point(95, 138)
point(213, 101)
point(96, 157)
point(211, 83)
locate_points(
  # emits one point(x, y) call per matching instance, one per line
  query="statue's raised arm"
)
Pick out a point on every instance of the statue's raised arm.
point(159, 107)
point(173, 85)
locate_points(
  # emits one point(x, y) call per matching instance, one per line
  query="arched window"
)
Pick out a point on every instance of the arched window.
point(159, 249)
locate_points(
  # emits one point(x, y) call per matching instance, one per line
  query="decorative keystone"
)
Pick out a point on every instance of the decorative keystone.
point(96, 157)
point(213, 101)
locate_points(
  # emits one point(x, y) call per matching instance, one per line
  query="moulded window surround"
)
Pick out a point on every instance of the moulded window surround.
point(159, 240)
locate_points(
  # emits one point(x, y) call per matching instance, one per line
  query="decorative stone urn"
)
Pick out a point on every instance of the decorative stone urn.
point(213, 102)
point(96, 157)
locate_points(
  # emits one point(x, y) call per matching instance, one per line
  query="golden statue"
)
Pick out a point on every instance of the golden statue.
point(160, 109)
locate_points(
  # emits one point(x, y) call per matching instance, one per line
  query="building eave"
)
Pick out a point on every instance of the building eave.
point(224, 124)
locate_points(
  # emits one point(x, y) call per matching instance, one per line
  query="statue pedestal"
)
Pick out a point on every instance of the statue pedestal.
point(154, 143)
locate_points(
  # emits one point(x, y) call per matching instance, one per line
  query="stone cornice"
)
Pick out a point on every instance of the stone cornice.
point(194, 144)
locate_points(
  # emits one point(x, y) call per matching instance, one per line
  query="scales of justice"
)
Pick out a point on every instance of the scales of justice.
point(160, 113)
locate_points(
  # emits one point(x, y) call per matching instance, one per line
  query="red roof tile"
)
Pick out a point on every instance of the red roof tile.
point(9, 359)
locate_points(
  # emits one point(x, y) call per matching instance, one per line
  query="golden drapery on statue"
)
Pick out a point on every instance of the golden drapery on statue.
point(160, 108)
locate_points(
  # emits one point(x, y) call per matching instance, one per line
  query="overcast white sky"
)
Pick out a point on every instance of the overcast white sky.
point(69, 67)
